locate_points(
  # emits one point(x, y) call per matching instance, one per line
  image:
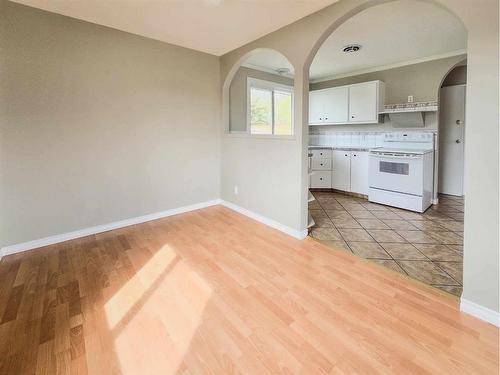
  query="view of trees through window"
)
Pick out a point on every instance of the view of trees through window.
point(270, 111)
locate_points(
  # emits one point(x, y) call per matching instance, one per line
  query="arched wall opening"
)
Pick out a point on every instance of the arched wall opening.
point(439, 73)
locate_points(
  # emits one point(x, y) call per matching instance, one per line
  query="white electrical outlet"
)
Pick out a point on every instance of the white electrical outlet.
point(410, 98)
point(235, 189)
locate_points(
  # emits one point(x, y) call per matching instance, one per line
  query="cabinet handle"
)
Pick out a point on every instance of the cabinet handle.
point(321, 178)
point(326, 118)
point(355, 155)
point(345, 155)
point(321, 118)
point(352, 116)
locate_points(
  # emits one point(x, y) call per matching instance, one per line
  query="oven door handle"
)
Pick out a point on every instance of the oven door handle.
point(395, 157)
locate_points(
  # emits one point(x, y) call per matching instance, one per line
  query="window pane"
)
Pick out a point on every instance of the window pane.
point(261, 112)
point(282, 113)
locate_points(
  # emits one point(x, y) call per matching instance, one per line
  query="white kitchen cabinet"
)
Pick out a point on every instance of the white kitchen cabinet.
point(321, 180)
point(359, 172)
point(329, 106)
point(336, 104)
point(352, 104)
point(363, 106)
point(341, 170)
point(316, 107)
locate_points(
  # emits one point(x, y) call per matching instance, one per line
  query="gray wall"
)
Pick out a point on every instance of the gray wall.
point(99, 125)
point(421, 80)
point(238, 94)
point(458, 76)
point(287, 202)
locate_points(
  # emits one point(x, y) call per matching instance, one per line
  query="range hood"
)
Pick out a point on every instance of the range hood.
point(409, 115)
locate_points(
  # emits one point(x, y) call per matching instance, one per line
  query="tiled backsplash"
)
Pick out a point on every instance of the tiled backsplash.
point(332, 138)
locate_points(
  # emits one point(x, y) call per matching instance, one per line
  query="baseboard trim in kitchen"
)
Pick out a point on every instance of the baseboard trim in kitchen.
point(480, 312)
point(265, 220)
point(51, 240)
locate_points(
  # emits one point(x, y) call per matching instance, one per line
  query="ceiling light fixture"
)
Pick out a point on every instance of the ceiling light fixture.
point(351, 48)
point(283, 71)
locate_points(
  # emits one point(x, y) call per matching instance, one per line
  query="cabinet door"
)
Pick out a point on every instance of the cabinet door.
point(341, 170)
point(336, 105)
point(359, 172)
point(316, 107)
point(363, 102)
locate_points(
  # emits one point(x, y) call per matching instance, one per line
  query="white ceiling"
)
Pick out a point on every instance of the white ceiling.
point(390, 34)
point(212, 26)
point(268, 60)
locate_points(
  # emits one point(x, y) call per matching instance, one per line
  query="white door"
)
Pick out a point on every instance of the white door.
point(341, 170)
point(336, 105)
point(316, 107)
point(359, 172)
point(363, 102)
point(451, 140)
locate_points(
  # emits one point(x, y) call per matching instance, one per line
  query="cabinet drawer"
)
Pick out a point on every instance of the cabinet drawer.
point(322, 164)
point(321, 153)
point(321, 180)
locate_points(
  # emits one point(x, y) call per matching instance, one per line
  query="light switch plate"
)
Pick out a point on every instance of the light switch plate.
point(410, 98)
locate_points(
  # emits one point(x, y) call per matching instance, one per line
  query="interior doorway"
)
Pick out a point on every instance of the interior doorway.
point(452, 133)
point(368, 99)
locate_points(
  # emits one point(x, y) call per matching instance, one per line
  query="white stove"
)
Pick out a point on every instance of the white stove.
point(401, 172)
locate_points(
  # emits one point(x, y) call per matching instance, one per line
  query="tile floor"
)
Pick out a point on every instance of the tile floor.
point(427, 247)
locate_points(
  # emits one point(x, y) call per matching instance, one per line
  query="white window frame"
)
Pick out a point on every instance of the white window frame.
point(268, 85)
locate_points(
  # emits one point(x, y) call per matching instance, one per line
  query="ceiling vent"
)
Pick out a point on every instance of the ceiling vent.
point(351, 48)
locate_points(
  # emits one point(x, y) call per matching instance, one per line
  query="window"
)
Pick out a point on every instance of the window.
point(270, 108)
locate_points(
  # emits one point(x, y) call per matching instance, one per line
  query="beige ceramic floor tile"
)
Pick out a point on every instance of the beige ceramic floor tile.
point(362, 214)
point(346, 223)
point(381, 235)
point(439, 253)
point(400, 224)
point(368, 250)
point(454, 269)
point(426, 272)
point(403, 251)
point(391, 264)
point(326, 234)
point(414, 236)
point(372, 224)
point(356, 235)
point(455, 290)
point(449, 238)
point(320, 218)
point(386, 215)
point(427, 225)
point(338, 214)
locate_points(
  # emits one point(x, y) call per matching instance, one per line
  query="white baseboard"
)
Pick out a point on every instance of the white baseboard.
point(480, 312)
point(17, 248)
point(264, 220)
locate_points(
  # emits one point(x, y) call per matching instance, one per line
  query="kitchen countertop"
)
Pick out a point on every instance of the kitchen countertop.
point(340, 148)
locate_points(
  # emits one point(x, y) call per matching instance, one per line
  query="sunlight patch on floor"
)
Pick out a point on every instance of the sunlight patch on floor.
point(156, 314)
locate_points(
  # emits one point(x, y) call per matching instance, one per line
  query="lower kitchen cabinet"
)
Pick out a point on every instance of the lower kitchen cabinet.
point(359, 172)
point(341, 175)
point(350, 171)
point(321, 180)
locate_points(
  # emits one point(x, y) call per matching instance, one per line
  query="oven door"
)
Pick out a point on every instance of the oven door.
point(400, 173)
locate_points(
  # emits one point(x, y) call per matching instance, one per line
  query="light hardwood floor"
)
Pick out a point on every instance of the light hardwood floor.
point(213, 292)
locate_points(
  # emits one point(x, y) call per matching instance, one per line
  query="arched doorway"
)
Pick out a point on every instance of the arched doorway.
point(427, 246)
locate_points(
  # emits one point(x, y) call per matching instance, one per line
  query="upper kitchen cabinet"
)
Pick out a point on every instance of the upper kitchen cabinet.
point(329, 106)
point(353, 104)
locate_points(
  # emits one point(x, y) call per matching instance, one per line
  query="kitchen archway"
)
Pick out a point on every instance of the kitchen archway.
point(425, 246)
